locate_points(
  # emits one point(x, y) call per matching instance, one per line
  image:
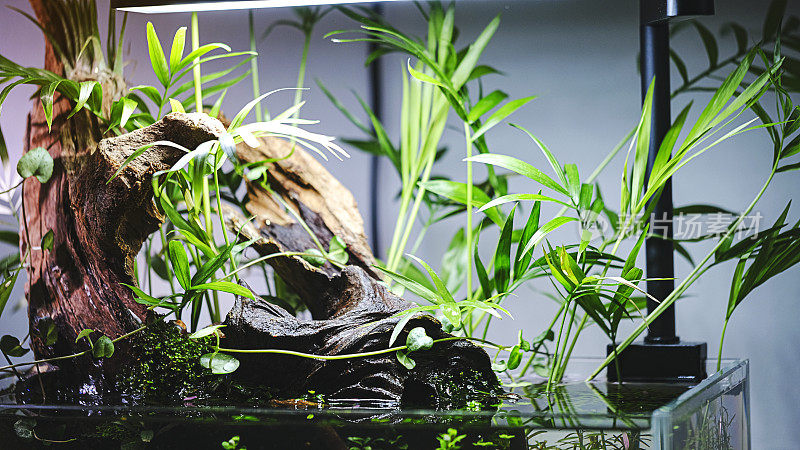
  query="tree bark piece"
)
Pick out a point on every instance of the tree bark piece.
point(352, 308)
point(98, 227)
point(321, 201)
point(446, 376)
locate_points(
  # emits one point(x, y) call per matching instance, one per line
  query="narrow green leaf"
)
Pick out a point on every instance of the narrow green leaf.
point(470, 60)
point(441, 289)
point(136, 153)
point(457, 192)
point(178, 44)
point(545, 230)
point(87, 87)
point(157, 59)
point(5, 289)
point(47, 101)
point(485, 105)
point(429, 79)
point(548, 154)
point(180, 263)
point(519, 197)
point(3, 149)
point(502, 256)
point(522, 259)
point(573, 182)
point(151, 93)
point(480, 270)
point(499, 115)
point(520, 167)
point(194, 54)
point(226, 286)
point(128, 107)
point(212, 265)
point(399, 327)
point(642, 147)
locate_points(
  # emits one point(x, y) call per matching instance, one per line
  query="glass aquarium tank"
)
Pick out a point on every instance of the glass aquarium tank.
point(198, 277)
point(713, 414)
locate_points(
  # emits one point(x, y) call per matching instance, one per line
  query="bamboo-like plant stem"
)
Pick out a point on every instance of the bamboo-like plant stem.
point(301, 74)
point(468, 231)
point(198, 92)
point(429, 148)
point(721, 341)
point(254, 68)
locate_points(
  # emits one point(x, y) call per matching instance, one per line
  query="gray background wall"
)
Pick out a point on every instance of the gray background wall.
point(578, 56)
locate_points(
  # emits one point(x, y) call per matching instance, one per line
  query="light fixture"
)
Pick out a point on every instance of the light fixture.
point(173, 6)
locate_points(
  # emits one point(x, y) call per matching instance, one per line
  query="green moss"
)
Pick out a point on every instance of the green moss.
point(166, 367)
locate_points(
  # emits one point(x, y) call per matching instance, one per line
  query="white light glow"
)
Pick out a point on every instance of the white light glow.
point(232, 5)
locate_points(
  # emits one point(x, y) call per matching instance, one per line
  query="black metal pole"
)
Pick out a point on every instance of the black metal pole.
point(375, 82)
point(654, 42)
point(662, 356)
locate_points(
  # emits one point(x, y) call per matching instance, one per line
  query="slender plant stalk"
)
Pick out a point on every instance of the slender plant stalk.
point(565, 359)
point(301, 74)
point(198, 92)
point(254, 67)
point(468, 234)
point(219, 211)
point(429, 147)
point(550, 379)
point(721, 341)
point(348, 355)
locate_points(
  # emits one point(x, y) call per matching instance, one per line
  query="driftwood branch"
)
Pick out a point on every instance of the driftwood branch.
point(352, 308)
point(98, 227)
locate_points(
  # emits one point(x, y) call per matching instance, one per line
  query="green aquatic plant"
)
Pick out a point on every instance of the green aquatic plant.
point(167, 368)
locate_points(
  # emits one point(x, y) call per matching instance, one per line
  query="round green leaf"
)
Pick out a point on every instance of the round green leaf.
point(418, 340)
point(514, 358)
point(84, 333)
point(312, 258)
point(500, 366)
point(36, 163)
point(11, 346)
point(338, 251)
point(405, 360)
point(447, 326)
point(47, 240)
point(219, 363)
point(103, 348)
point(46, 328)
